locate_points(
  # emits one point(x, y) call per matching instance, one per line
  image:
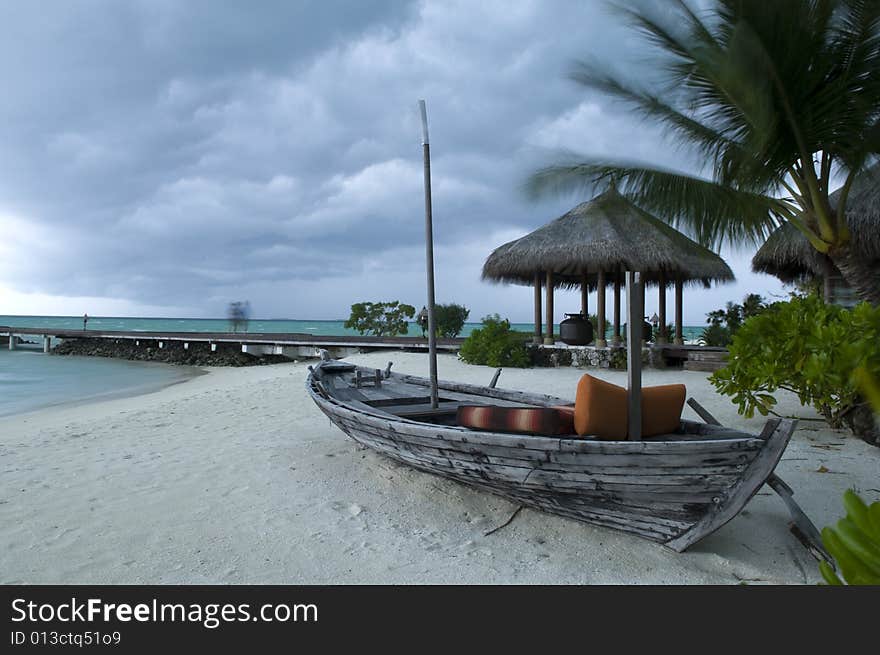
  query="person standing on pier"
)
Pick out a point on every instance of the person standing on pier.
point(85, 321)
point(423, 320)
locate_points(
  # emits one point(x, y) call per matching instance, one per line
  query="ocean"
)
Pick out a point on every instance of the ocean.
point(327, 328)
point(30, 379)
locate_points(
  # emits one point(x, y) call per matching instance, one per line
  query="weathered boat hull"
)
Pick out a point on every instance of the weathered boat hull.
point(673, 492)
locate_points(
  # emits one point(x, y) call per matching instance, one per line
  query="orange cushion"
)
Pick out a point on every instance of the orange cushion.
point(600, 409)
point(661, 408)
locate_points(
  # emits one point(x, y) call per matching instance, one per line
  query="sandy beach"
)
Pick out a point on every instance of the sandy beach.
point(236, 477)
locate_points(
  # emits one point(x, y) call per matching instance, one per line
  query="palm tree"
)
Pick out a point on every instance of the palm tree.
point(781, 98)
point(753, 304)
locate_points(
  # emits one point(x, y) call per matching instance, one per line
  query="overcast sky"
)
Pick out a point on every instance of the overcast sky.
point(163, 158)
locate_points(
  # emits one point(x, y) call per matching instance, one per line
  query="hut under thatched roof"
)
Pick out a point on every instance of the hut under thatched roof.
point(592, 244)
point(789, 256)
point(607, 233)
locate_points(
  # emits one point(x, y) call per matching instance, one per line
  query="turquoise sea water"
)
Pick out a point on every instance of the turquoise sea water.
point(30, 379)
point(330, 328)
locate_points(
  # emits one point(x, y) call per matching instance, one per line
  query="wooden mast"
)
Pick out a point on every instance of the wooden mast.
point(429, 258)
point(635, 303)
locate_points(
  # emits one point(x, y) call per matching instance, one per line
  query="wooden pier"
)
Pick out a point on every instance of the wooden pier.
point(270, 343)
point(695, 358)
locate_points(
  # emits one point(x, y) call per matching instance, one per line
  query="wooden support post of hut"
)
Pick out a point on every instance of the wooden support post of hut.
point(585, 296)
point(600, 310)
point(549, 339)
point(679, 335)
point(662, 337)
point(615, 339)
point(539, 337)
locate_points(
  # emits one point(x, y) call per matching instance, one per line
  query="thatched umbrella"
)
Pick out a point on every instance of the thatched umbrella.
point(603, 237)
point(788, 255)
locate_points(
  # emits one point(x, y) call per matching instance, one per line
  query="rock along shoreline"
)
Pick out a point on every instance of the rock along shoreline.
point(171, 352)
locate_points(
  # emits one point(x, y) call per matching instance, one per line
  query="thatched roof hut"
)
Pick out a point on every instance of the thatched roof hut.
point(607, 233)
point(788, 255)
point(591, 245)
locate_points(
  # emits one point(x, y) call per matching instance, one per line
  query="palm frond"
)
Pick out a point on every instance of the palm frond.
point(713, 213)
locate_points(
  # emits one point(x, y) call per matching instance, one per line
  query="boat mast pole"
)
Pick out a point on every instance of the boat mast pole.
point(635, 303)
point(429, 258)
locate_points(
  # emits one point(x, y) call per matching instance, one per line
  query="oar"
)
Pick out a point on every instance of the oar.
point(802, 526)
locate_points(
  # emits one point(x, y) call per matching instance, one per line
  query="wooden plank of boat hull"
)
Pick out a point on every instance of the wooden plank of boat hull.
point(538, 479)
point(627, 463)
point(461, 435)
point(778, 432)
point(589, 508)
point(620, 520)
point(683, 515)
point(681, 506)
point(727, 458)
point(654, 530)
point(593, 465)
point(701, 479)
point(541, 443)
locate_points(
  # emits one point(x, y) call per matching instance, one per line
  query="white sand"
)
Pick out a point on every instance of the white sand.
point(236, 477)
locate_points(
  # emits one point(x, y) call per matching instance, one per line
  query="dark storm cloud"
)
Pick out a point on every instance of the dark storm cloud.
point(183, 154)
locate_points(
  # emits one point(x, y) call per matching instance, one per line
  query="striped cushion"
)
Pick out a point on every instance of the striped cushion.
point(525, 420)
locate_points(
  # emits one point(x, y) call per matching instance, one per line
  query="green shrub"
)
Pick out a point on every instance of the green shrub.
point(870, 386)
point(495, 344)
point(450, 319)
point(811, 349)
point(854, 543)
point(715, 335)
point(380, 319)
point(725, 323)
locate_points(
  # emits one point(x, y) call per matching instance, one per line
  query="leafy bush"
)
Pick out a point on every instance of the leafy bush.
point(870, 386)
point(811, 349)
point(495, 344)
point(715, 335)
point(380, 319)
point(449, 319)
point(725, 323)
point(854, 543)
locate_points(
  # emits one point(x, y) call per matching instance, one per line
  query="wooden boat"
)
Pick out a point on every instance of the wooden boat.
point(673, 489)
